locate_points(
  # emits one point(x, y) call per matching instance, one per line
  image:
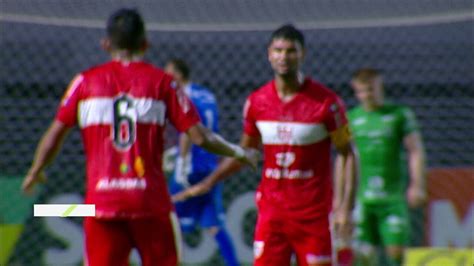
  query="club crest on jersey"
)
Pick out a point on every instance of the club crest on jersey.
point(284, 133)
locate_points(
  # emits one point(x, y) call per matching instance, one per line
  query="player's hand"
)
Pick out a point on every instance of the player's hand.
point(416, 196)
point(169, 158)
point(196, 190)
point(342, 224)
point(31, 180)
point(183, 170)
point(250, 157)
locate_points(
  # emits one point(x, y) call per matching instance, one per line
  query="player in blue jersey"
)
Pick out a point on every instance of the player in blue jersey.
point(194, 164)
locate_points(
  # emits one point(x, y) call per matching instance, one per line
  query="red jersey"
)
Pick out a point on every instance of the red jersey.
point(121, 110)
point(297, 180)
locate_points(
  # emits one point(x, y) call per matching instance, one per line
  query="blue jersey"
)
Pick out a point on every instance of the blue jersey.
point(205, 102)
point(205, 209)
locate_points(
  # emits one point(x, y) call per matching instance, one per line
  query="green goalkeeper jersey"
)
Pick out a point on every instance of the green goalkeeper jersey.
point(378, 136)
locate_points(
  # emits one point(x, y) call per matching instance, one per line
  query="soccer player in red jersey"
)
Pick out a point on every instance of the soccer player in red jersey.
point(121, 108)
point(296, 119)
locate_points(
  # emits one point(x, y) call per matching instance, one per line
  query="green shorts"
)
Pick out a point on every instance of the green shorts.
point(384, 224)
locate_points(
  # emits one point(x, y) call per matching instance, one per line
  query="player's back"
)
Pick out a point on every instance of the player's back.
point(121, 110)
point(203, 162)
point(378, 136)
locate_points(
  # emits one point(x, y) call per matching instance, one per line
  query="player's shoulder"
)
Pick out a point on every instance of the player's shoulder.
point(111, 66)
point(262, 93)
point(200, 89)
point(397, 108)
point(321, 94)
point(97, 70)
point(92, 74)
point(319, 90)
point(201, 93)
point(156, 75)
point(355, 111)
point(154, 71)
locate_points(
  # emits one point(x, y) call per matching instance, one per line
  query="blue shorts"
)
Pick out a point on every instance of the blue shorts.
point(206, 210)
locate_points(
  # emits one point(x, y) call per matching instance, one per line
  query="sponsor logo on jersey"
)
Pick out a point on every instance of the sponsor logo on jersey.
point(123, 168)
point(369, 194)
point(395, 223)
point(384, 133)
point(376, 182)
point(278, 173)
point(388, 118)
point(139, 166)
point(359, 121)
point(375, 134)
point(131, 183)
point(285, 159)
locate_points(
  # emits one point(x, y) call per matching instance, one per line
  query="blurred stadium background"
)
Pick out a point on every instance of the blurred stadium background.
point(425, 48)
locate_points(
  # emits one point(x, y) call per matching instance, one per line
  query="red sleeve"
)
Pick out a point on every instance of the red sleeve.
point(250, 126)
point(67, 111)
point(180, 110)
point(335, 114)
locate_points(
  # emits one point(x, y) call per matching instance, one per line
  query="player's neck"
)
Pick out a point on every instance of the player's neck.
point(124, 56)
point(370, 107)
point(288, 86)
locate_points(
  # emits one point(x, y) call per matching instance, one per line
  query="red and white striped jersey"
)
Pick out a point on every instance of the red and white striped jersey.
point(296, 141)
point(121, 110)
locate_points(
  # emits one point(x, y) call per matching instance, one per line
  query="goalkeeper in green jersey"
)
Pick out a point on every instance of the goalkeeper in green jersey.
point(384, 133)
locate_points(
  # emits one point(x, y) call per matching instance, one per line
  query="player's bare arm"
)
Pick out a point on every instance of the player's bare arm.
point(345, 181)
point(214, 143)
point(226, 168)
point(184, 145)
point(416, 194)
point(346, 162)
point(46, 151)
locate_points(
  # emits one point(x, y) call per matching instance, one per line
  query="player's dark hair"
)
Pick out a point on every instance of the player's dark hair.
point(366, 74)
point(288, 32)
point(126, 29)
point(181, 66)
